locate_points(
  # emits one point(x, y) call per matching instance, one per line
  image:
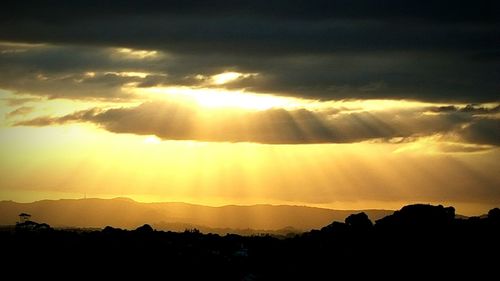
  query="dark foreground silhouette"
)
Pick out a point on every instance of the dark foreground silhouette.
point(417, 241)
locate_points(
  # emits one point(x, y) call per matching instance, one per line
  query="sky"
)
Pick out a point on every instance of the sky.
point(339, 104)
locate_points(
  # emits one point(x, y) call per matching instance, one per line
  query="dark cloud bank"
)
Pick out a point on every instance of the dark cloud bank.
point(424, 50)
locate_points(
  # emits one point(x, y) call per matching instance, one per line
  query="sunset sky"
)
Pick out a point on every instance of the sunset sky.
point(338, 104)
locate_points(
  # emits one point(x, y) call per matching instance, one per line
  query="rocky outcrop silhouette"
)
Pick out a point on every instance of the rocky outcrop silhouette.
point(419, 216)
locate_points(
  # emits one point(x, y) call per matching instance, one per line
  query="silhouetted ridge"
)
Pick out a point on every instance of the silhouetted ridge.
point(418, 241)
point(175, 216)
point(144, 229)
point(419, 215)
point(494, 215)
point(359, 221)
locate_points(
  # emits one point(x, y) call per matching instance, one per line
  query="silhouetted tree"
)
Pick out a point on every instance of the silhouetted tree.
point(24, 217)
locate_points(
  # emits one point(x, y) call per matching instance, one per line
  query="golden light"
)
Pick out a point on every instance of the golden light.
point(136, 54)
point(227, 77)
point(217, 98)
point(152, 140)
point(357, 175)
point(223, 78)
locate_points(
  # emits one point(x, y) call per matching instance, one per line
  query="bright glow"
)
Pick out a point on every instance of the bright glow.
point(214, 98)
point(227, 77)
point(152, 140)
point(223, 78)
point(136, 54)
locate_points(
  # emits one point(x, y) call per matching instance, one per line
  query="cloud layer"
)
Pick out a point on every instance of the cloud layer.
point(423, 50)
point(178, 121)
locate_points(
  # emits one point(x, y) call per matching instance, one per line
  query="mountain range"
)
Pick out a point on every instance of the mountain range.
point(176, 216)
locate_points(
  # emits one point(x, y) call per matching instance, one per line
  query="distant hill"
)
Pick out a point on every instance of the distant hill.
point(126, 213)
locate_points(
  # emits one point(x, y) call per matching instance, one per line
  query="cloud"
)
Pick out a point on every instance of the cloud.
point(63, 72)
point(23, 110)
point(71, 72)
point(82, 115)
point(482, 131)
point(19, 101)
point(460, 147)
point(444, 51)
point(171, 120)
point(470, 108)
point(253, 26)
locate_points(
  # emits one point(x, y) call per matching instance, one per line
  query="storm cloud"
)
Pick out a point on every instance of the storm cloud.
point(421, 50)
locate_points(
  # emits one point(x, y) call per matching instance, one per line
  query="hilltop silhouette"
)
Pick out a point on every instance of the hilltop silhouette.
point(128, 214)
point(418, 241)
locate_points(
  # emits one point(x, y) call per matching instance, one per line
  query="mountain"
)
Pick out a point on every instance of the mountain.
point(127, 213)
